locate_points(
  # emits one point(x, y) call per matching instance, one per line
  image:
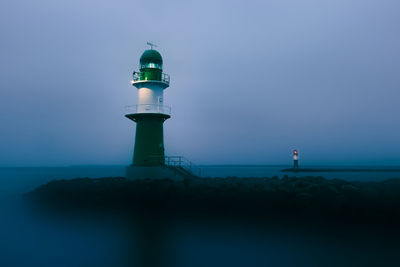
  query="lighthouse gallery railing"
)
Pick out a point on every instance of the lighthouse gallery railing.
point(148, 108)
point(136, 77)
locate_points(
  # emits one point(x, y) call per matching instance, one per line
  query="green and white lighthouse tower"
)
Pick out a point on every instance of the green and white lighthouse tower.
point(149, 115)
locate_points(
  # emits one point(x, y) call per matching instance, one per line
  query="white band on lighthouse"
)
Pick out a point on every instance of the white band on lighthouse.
point(150, 98)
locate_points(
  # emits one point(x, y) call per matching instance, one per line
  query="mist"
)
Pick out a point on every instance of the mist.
point(250, 80)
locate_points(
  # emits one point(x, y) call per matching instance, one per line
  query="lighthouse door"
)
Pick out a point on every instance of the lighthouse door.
point(160, 104)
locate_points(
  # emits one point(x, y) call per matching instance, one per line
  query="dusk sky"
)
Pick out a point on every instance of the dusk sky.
point(250, 80)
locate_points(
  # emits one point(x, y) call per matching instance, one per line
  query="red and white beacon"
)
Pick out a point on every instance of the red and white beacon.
point(295, 159)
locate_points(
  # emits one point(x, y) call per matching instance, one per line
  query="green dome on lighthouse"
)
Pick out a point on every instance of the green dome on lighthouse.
point(151, 56)
point(151, 65)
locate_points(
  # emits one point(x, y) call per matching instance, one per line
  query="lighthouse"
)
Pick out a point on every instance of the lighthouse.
point(149, 114)
point(295, 159)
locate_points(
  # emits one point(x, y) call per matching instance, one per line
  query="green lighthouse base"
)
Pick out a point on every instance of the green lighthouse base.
point(149, 140)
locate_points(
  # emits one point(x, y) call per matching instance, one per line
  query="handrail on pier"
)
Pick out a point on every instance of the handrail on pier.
point(180, 161)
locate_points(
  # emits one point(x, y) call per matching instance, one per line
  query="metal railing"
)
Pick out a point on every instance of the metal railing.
point(136, 77)
point(165, 77)
point(178, 161)
point(148, 108)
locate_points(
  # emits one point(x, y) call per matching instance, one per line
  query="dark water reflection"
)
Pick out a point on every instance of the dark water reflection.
point(32, 239)
point(273, 245)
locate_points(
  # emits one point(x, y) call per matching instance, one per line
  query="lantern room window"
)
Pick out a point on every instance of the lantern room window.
point(151, 66)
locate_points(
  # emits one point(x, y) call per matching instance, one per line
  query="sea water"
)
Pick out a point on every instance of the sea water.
point(28, 239)
point(276, 170)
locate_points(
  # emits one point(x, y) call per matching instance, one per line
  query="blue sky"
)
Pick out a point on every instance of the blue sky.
point(249, 80)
